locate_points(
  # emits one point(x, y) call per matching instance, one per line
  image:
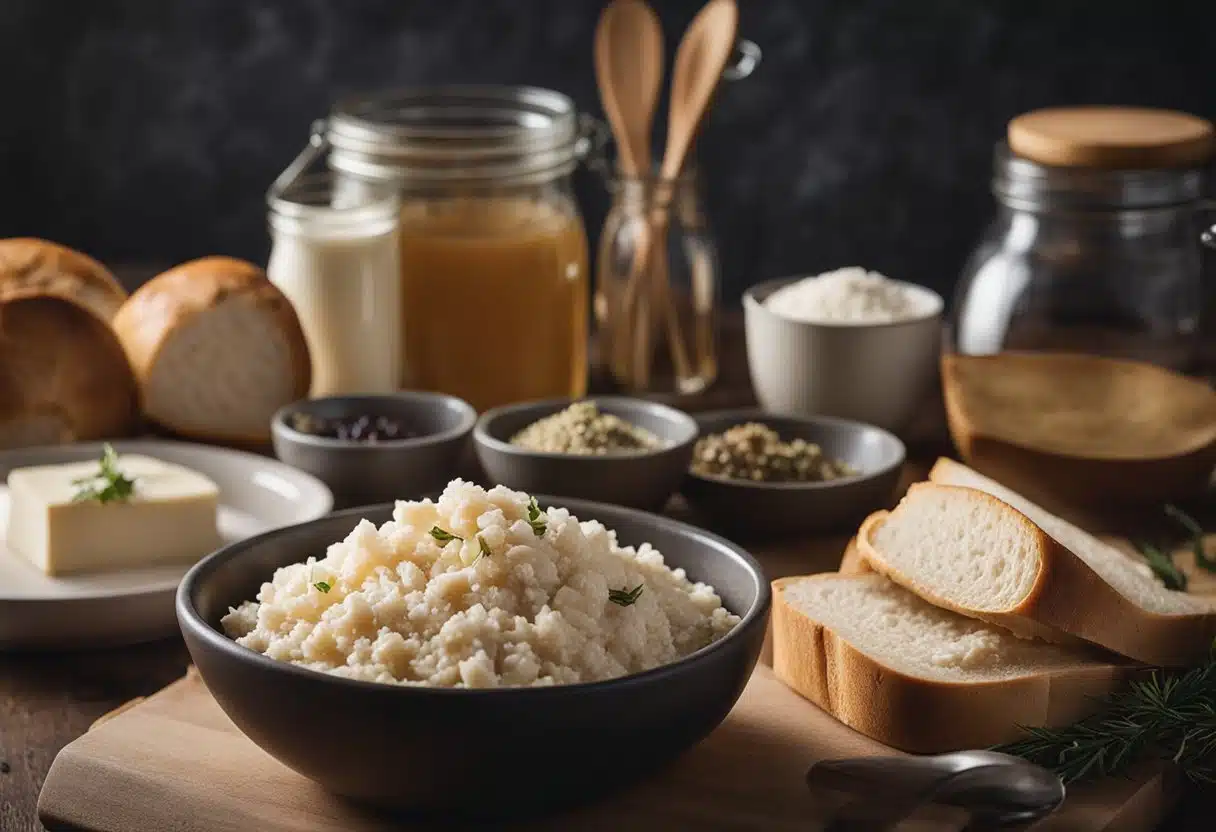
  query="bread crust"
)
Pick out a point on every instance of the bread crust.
point(171, 299)
point(1067, 601)
point(34, 268)
point(851, 562)
point(922, 715)
point(66, 370)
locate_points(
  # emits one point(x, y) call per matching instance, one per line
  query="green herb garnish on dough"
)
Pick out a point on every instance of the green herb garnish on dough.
point(484, 548)
point(108, 485)
point(323, 586)
point(1170, 716)
point(537, 519)
point(443, 536)
point(625, 597)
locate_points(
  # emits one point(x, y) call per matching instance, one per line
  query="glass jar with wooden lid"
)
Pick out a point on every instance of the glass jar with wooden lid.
point(493, 253)
point(1077, 318)
point(1095, 244)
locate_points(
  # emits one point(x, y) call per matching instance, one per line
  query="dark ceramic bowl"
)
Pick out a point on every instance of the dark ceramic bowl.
point(360, 473)
point(755, 510)
point(479, 752)
point(640, 480)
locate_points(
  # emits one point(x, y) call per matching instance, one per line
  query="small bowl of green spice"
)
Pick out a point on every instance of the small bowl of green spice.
point(757, 475)
point(611, 449)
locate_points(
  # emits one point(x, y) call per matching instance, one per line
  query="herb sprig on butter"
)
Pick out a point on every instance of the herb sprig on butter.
point(108, 485)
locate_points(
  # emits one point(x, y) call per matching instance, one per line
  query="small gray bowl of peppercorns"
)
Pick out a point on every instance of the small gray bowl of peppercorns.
point(758, 475)
point(611, 449)
point(375, 448)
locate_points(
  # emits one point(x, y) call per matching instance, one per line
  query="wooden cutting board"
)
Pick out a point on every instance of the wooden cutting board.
point(175, 763)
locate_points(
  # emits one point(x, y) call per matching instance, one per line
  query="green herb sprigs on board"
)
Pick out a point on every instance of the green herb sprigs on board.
point(108, 485)
point(1162, 563)
point(625, 597)
point(1170, 716)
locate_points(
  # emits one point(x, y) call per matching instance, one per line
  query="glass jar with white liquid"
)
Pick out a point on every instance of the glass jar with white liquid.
point(337, 261)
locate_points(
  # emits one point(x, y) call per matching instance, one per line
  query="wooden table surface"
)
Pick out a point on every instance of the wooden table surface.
point(47, 700)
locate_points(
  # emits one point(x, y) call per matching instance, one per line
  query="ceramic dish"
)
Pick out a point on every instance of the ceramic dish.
point(761, 509)
point(361, 473)
point(486, 752)
point(1082, 430)
point(880, 374)
point(640, 480)
point(37, 611)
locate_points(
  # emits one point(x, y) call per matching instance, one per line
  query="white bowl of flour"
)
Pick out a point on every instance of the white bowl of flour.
point(848, 343)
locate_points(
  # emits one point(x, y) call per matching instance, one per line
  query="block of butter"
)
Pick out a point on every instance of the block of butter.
point(169, 517)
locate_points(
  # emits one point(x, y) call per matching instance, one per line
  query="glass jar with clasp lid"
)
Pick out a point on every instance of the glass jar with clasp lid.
point(1094, 247)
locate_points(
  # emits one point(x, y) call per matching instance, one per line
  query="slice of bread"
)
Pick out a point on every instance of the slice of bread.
point(217, 349)
point(968, 551)
point(921, 678)
point(63, 374)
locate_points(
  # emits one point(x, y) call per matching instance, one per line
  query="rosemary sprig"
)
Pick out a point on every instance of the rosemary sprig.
point(1163, 566)
point(537, 519)
point(1169, 716)
point(1202, 559)
point(108, 485)
point(444, 536)
point(625, 597)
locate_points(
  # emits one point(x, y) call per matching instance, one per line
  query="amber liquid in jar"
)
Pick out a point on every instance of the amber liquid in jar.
point(494, 299)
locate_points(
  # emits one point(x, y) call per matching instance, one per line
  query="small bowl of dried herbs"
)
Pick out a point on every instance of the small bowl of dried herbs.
point(375, 448)
point(757, 475)
point(611, 449)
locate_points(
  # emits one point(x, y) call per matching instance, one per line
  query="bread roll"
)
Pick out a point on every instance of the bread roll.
point(63, 374)
point(217, 349)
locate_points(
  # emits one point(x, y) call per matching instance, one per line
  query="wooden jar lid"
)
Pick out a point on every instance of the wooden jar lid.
point(1112, 137)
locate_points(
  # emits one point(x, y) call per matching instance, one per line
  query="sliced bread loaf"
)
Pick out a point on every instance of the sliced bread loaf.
point(63, 374)
point(968, 551)
point(217, 349)
point(921, 678)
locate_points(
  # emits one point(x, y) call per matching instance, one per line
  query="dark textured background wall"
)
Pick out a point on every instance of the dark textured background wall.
point(147, 130)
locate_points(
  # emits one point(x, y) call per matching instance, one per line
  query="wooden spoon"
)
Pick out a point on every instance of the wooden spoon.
point(629, 70)
point(702, 56)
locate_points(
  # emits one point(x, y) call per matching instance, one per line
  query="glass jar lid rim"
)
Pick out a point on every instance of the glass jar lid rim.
point(452, 112)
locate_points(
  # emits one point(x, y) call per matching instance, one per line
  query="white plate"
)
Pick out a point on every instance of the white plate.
point(36, 611)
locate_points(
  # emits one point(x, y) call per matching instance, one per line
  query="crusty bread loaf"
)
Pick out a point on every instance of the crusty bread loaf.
point(921, 678)
point(63, 374)
point(217, 349)
point(968, 551)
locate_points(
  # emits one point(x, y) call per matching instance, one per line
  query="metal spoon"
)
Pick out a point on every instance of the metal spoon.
point(998, 790)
